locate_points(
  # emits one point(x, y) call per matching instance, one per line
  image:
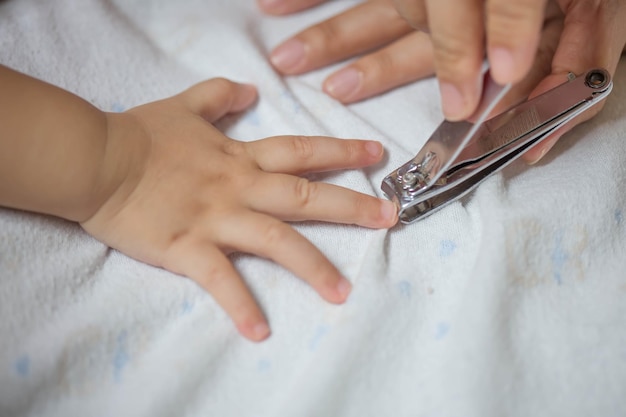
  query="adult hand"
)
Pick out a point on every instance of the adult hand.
point(189, 195)
point(392, 54)
point(508, 33)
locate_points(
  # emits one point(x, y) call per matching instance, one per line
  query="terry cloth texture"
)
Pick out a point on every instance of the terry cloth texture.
point(510, 302)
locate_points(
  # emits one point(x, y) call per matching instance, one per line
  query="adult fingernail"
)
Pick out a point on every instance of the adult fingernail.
point(452, 102)
point(289, 55)
point(269, 4)
point(502, 64)
point(374, 148)
point(344, 287)
point(344, 84)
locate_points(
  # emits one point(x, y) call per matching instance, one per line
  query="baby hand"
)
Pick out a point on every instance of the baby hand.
point(187, 196)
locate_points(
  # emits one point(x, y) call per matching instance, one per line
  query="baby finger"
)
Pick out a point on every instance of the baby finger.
point(205, 264)
point(270, 238)
point(294, 198)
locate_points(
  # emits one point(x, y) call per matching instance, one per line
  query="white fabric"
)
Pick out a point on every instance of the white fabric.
point(511, 302)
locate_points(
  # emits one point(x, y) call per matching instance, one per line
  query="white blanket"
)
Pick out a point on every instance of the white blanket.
point(511, 302)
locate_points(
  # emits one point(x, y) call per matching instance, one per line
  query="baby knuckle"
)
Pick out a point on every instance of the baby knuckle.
point(274, 234)
point(304, 191)
point(234, 148)
point(325, 273)
point(222, 84)
point(350, 150)
point(214, 276)
point(221, 87)
point(364, 207)
point(302, 147)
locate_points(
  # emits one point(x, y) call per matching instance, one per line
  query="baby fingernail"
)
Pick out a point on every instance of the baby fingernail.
point(452, 101)
point(388, 210)
point(261, 331)
point(344, 84)
point(373, 148)
point(344, 287)
point(289, 55)
point(247, 95)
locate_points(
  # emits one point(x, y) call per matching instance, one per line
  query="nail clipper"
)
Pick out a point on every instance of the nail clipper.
point(460, 155)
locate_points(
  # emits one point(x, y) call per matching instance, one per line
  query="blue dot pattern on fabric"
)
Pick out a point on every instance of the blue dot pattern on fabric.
point(22, 366)
point(446, 247)
point(404, 287)
point(320, 332)
point(264, 365)
point(441, 330)
point(117, 107)
point(186, 307)
point(559, 258)
point(120, 356)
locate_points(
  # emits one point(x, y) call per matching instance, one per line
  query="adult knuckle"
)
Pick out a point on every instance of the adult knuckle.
point(413, 12)
point(510, 11)
point(450, 52)
point(511, 20)
point(385, 62)
point(585, 12)
point(381, 68)
point(325, 36)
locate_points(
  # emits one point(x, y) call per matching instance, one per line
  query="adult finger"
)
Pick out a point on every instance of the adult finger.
point(214, 98)
point(414, 12)
point(205, 264)
point(359, 29)
point(457, 33)
point(270, 238)
point(282, 7)
point(513, 33)
point(587, 25)
point(295, 199)
point(303, 154)
point(404, 61)
point(540, 69)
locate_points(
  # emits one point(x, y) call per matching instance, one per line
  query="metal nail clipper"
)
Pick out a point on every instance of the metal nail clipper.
point(460, 155)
